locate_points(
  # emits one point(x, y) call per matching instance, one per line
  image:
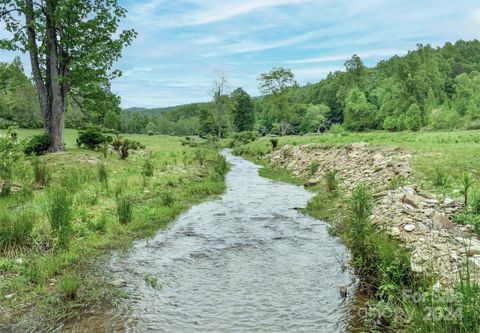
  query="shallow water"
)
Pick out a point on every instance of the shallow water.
point(249, 261)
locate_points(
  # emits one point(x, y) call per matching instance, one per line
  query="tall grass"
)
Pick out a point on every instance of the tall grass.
point(16, 227)
point(59, 212)
point(41, 173)
point(331, 180)
point(69, 284)
point(124, 209)
point(102, 171)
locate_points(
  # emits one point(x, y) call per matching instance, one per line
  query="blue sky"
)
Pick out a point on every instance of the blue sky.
point(183, 43)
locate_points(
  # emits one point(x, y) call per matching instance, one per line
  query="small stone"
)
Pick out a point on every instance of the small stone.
point(9, 296)
point(429, 212)
point(395, 232)
point(409, 227)
point(421, 226)
point(437, 286)
point(413, 200)
point(19, 261)
point(118, 283)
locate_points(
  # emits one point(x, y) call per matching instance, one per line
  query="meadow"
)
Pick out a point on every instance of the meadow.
point(69, 210)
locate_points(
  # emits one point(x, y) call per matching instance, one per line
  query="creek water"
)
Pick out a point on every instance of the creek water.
point(248, 261)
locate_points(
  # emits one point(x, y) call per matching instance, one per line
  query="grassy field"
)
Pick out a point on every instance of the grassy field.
point(450, 152)
point(45, 277)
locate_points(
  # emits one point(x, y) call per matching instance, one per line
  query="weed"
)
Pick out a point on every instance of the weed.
point(124, 209)
point(201, 156)
point(331, 180)
point(466, 183)
point(103, 174)
point(16, 228)
point(148, 167)
point(69, 284)
point(41, 174)
point(152, 281)
point(59, 212)
point(167, 199)
point(313, 168)
point(396, 181)
point(441, 178)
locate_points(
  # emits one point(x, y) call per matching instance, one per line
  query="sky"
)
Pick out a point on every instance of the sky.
point(183, 44)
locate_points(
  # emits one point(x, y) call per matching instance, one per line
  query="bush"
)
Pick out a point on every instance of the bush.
point(220, 166)
point(69, 285)
point(91, 138)
point(59, 212)
point(124, 209)
point(122, 146)
point(37, 145)
point(16, 228)
point(10, 154)
point(41, 174)
point(243, 138)
point(274, 142)
point(337, 129)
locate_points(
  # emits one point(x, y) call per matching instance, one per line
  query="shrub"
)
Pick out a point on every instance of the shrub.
point(41, 174)
point(124, 209)
point(331, 181)
point(274, 142)
point(122, 146)
point(337, 129)
point(59, 212)
point(16, 228)
point(69, 285)
point(37, 145)
point(243, 138)
point(103, 174)
point(220, 165)
point(91, 138)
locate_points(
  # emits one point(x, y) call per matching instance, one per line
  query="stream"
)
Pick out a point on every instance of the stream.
point(247, 261)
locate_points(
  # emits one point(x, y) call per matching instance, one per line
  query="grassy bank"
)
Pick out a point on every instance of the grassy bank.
point(70, 210)
point(398, 300)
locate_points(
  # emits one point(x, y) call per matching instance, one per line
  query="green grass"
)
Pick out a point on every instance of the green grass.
point(38, 273)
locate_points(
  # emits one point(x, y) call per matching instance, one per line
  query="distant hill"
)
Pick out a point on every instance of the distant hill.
point(152, 111)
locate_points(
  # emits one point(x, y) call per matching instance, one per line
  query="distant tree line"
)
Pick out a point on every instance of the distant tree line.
point(433, 88)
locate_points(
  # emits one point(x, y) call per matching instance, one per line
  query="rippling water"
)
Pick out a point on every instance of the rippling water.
point(248, 261)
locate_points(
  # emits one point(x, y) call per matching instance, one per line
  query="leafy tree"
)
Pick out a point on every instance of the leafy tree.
point(242, 109)
point(220, 102)
point(315, 119)
point(207, 122)
point(359, 113)
point(275, 83)
point(151, 128)
point(111, 120)
point(413, 118)
point(71, 44)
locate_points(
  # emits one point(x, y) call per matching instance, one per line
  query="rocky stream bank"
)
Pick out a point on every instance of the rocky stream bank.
point(420, 220)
